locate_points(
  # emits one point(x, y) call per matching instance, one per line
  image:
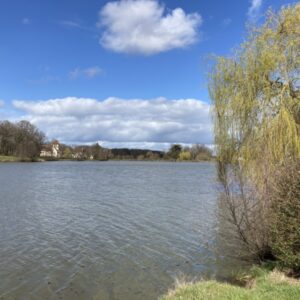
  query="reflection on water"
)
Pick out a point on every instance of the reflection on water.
point(104, 230)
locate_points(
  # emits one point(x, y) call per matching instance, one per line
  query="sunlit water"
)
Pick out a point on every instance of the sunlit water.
point(104, 230)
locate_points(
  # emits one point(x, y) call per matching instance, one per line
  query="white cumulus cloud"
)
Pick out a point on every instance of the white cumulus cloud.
point(1, 103)
point(120, 121)
point(254, 9)
point(143, 27)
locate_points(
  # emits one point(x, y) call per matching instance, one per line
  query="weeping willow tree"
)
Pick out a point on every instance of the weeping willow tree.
point(256, 97)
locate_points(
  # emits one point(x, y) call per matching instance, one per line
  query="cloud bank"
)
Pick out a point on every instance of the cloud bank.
point(142, 27)
point(113, 121)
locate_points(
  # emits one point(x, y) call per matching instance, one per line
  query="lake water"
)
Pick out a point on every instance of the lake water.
point(104, 230)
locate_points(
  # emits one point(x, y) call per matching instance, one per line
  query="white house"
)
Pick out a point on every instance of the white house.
point(51, 150)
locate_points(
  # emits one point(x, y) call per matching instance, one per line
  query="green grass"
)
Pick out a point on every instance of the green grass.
point(4, 158)
point(259, 285)
point(8, 158)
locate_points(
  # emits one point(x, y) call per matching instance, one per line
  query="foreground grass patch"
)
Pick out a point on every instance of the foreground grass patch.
point(260, 285)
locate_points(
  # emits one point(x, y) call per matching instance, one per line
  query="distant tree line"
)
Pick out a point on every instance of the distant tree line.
point(85, 152)
point(23, 139)
point(176, 153)
point(20, 139)
point(194, 153)
point(136, 154)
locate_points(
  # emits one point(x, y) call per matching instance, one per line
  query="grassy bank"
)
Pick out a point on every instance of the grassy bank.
point(260, 284)
point(9, 158)
point(4, 158)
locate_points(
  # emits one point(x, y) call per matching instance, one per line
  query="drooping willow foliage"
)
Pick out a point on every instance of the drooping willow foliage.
point(256, 97)
point(256, 94)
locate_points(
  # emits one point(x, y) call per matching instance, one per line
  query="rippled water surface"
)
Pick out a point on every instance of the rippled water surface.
point(104, 230)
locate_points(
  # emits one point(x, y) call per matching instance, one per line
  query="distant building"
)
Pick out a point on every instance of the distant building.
point(82, 153)
point(51, 150)
point(78, 153)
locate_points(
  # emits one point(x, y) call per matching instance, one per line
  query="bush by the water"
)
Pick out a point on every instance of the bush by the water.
point(256, 95)
point(285, 242)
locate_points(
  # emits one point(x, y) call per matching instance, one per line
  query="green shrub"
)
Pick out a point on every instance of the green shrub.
point(184, 155)
point(285, 227)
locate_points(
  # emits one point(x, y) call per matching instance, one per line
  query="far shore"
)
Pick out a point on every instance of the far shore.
point(14, 159)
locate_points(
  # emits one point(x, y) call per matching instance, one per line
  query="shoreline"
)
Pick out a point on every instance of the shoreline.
point(13, 159)
point(258, 283)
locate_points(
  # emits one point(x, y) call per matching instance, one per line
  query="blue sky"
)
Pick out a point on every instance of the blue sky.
point(128, 72)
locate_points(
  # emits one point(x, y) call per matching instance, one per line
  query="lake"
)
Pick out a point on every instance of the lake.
point(104, 230)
